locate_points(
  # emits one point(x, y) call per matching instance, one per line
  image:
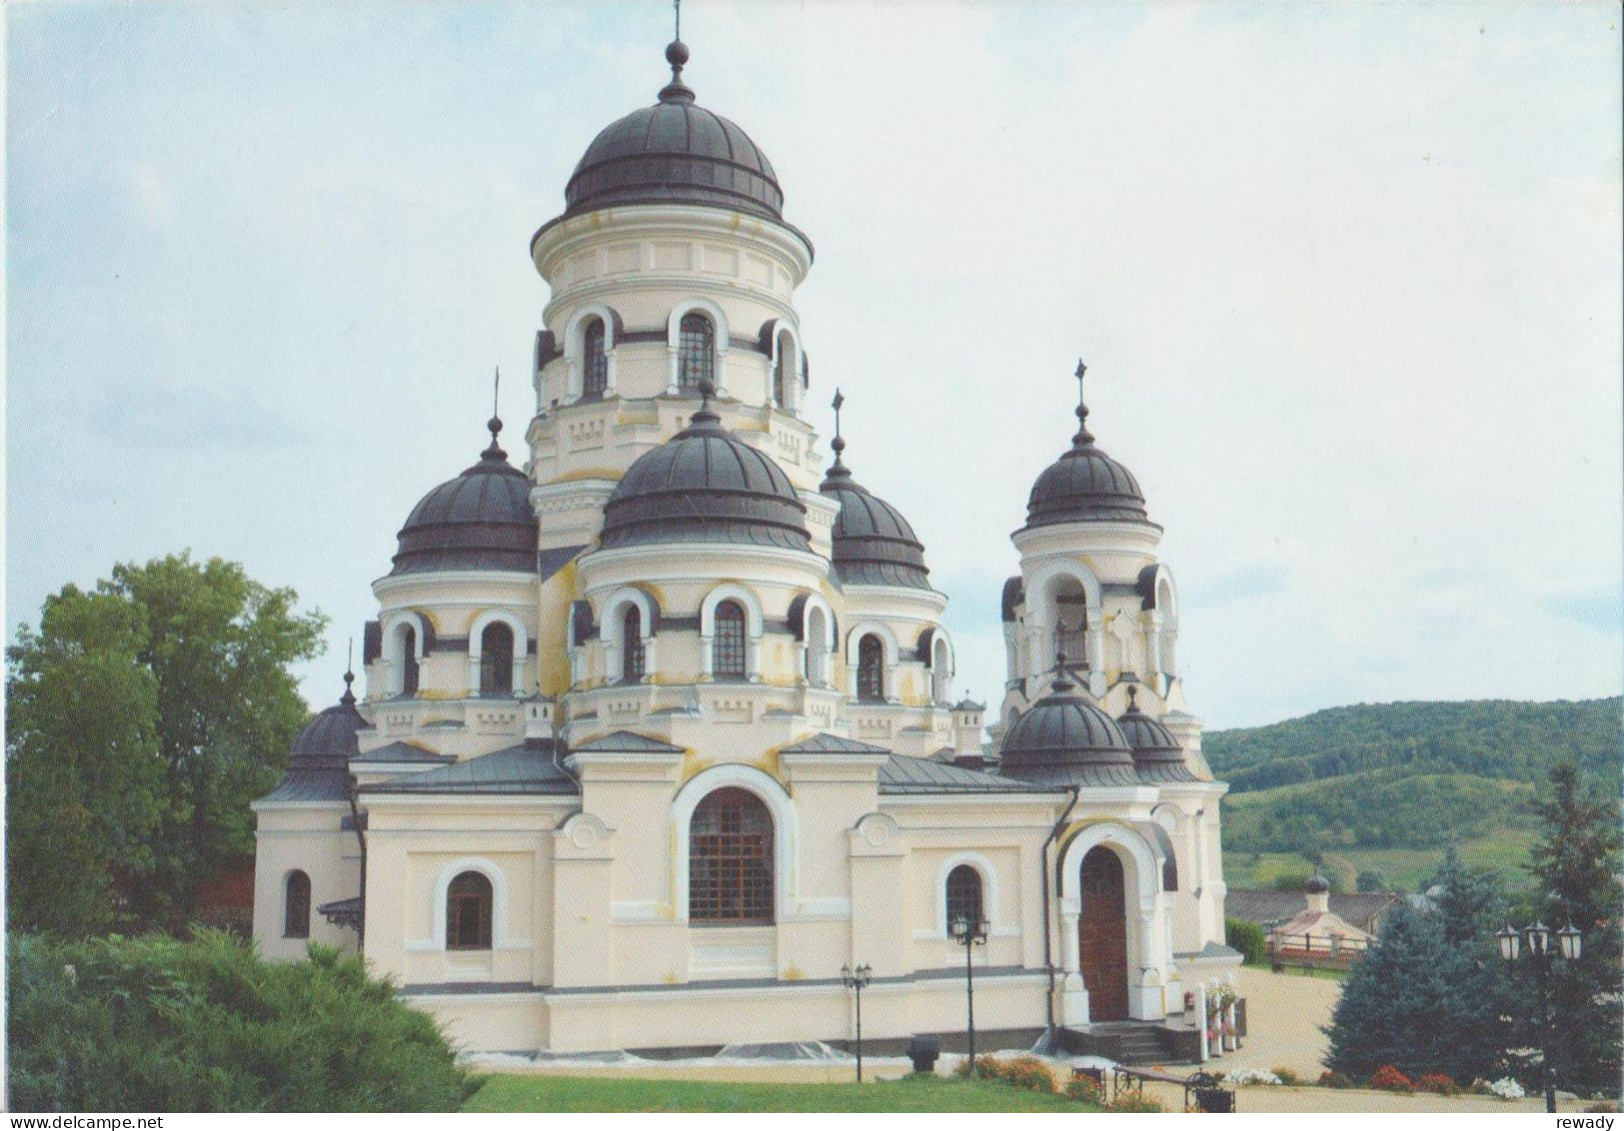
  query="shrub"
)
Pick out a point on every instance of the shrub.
point(987, 1068)
point(1134, 1101)
point(1248, 938)
point(1085, 1089)
point(1329, 1079)
point(157, 1024)
point(1028, 1072)
point(1439, 1083)
point(1507, 1089)
point(1287, 1076)
point(1389, 1079)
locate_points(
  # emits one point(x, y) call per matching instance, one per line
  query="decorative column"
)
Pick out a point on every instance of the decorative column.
point(1073, 993)
point(752, 658)
point(1096, 654)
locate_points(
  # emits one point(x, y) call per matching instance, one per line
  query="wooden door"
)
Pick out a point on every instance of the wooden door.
point(1102, 936)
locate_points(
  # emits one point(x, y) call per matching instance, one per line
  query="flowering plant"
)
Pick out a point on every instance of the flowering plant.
point(1251, 1076)
point(1507, 1089)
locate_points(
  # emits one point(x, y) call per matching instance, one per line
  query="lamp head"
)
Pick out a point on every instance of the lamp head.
point(1510, 942)
point(1539, 939)
point(1572, 942)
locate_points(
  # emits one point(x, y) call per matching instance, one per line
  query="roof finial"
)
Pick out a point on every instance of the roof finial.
point(838, 469)
point(349, 675)
point(707, 389)
point(1084, 436)
point(1133, 697)
point(495, 422)
point(1062, 682)
point(676, 53)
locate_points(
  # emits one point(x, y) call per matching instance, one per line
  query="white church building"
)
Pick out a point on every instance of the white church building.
point(659, 729)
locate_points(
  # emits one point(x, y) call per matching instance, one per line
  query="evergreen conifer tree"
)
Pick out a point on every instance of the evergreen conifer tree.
point(1419, 1002)
point(1576, 864)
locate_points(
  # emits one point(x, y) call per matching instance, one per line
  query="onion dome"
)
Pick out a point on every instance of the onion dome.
point(332, 733)
point(674, 152)
point(705, 485)
point(1317, 884)
point(481, 520)
point(1085, 484)
point(318, 764)
point(1156, 753)
point(873, 543)
point(1065, 739)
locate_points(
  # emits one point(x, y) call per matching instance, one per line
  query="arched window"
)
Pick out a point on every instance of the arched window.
point(782, 373)
point(730, 859)
point(496, 660)
point(296, 907)
point(964, 894)
point(631, 644)
point(594, 361)
point(696, 351)
point(817, 648)
point(727, 646)
point(468, 903)
point(870, 668)
point(408, 662)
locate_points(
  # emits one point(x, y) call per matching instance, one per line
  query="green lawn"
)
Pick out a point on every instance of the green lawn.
point(601, 1093)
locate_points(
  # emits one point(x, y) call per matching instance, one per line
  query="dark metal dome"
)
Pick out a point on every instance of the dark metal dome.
point(1156, 753)
point(1064, 739)
point(481, 520)
point(331, 734)
point(1085, 484)
point(1317, 884)
point(873, 543)
point(705, 485)
point(674, 152)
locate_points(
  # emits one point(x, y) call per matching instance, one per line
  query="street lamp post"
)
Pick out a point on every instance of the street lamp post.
point(1540, 955)
point(969, 935)
point(856, 980)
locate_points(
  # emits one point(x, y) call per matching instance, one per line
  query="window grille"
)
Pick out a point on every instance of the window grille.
point(728, 643)
point(496, 660)
point(595, 363)
point(730, 860)
point(468, 913)
point(964, 894)
point(696, 351)
point(631, 645)
point(870, 669)
point(296, 912)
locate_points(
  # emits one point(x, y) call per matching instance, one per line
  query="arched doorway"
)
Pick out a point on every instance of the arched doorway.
point(1102, 936)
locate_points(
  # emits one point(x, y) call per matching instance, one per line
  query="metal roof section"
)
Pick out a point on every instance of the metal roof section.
point(832, 744)
point(905, 776)
point(403, 752)
point(626, 742)
point(525, 769)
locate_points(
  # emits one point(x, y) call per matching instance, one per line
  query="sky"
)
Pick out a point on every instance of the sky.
point(1346, 276)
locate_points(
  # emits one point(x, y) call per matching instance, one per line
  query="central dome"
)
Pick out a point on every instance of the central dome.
point(705, 485)
point(674, 152)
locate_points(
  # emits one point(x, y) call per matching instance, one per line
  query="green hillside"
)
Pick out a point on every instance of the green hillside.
point(1386, 786)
